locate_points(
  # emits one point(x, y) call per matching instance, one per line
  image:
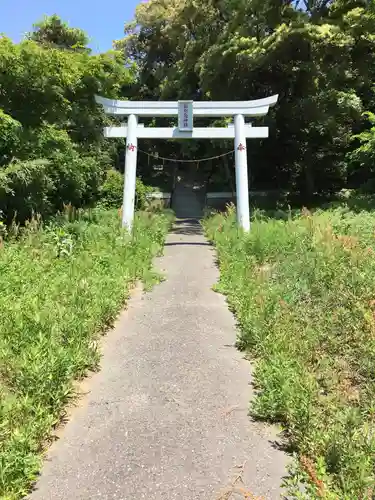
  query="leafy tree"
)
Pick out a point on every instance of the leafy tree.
point(52, 149)
point(52, 31)
point(318, 55)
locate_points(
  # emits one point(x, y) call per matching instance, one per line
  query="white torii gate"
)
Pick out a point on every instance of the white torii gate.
point(186, 110)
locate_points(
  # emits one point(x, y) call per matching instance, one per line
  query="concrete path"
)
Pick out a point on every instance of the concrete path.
point(167, 416)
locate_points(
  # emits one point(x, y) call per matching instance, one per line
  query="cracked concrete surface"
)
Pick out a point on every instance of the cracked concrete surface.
point(167, 415)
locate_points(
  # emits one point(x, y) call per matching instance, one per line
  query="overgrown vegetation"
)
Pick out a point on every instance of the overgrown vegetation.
point(60, 285)
point(302, 290)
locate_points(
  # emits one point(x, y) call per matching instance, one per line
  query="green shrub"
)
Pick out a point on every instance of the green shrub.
point(45, 186)
point(26, 188)
point(112, 191)
point(77, 179)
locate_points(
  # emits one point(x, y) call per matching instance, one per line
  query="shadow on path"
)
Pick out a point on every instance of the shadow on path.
point(184, 243)
point(187, 227)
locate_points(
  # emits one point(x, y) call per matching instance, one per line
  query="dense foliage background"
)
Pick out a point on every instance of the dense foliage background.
point(318, 55)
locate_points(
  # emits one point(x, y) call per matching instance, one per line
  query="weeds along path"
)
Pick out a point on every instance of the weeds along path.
point(302, 289)
point(60, 287)
point(167, 416)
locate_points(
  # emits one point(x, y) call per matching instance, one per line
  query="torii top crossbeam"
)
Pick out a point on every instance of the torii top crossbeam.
point(257, 107)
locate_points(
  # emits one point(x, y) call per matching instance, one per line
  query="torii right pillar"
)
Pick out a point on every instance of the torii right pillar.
point(242, 182)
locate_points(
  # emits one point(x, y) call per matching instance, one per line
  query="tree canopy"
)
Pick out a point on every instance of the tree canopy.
point(318, 55)
point(48, 116)
point(54, 32)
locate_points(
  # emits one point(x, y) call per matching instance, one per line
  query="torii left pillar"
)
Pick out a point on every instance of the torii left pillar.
point(130, 173)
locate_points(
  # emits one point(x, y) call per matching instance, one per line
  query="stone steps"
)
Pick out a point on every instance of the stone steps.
point(187, 201)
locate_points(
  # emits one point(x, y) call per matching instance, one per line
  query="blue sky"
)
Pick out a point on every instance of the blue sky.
point(103, 21)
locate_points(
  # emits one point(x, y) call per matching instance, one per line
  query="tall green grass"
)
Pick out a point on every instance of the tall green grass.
point(303, 291)
point(60, 286)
